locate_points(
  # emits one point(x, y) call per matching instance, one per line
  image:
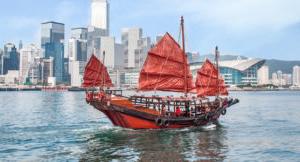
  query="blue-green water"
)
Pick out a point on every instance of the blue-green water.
point(52, 126)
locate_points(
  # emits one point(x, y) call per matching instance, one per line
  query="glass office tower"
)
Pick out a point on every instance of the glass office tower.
point(52, 42)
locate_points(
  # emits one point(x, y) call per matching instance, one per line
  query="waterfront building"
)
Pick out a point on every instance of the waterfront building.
point(263, 75)
point(51, 81)
point(78, 44)
point(10, 58)
point(280, 78)
point(77, 72)
point(130, 78)
point(115, 76)
point(10, 78)
point(193, 56)
point(27, 58)
point(35, 71)
point(236, 72)
point(1, 61)
point(135, 47)
point(47, 69)
point(275, 80)
point(52, 43)
point(114, 53)
point(94, 41)
point(100, 14)
point(287, 79)
point(296, 76)
point(77, 55)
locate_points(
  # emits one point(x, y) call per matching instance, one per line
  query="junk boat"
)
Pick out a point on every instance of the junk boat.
point(166, 68)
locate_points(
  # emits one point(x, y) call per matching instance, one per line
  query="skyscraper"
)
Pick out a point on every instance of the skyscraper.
point(11, 58)
point(135, 47)
point(114, 53)
point(78, 44)
point(52, 42)
point(27, 58)
point(20, 45)
point(263, 75)
point(100, 14)
point(296, 75)
point(1, 61)
point(77, 55)
point(94, 41)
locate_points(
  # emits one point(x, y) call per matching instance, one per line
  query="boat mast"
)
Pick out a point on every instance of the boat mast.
point(183, 49)
point(103, 76)
point(217, 66)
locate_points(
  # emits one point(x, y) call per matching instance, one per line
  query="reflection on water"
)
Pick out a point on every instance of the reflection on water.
point(154, 145)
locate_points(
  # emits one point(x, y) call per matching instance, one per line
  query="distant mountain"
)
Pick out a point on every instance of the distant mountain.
point(284, 66)
point(274, 65)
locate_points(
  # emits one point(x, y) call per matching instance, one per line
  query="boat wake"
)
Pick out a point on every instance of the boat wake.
point(209, 127)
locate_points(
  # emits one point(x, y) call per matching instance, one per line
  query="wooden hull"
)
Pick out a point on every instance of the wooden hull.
point(123, 114)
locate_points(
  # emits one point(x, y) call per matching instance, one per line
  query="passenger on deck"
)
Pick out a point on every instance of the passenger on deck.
point(178, 111)
point(163, 110)
point(207, 109)
point(101, 95)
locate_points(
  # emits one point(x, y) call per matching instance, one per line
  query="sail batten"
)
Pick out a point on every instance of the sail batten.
point(96, 74)
point(208, 82)
point(165, 68)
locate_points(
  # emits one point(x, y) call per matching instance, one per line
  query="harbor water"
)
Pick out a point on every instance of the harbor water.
point(60, 126)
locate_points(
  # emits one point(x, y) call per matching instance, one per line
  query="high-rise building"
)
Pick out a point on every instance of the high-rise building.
point(114, 53)
point(100, 14)
point(286, 79)
point(280, 78)
point(78, 44)
point(94, 41)
point(20, 45)
point(47, 66)
point(1, 61)
point(79, 33)
point(296, 75)
point(27, 58)
point(77, 55)
point(76, 72)
point(263, 75)
point(135, 47)
point(10, 58)
point(52, 42)
point(275, 79)
point(35, 71)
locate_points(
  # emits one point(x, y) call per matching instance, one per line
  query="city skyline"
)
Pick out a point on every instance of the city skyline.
point(270, 32)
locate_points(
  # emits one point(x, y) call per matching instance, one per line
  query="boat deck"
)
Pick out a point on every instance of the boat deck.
point(123, 102)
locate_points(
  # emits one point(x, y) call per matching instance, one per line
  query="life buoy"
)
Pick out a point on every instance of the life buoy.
point(223, 112)
point(165, 122)
point(158, 121)
point(206, 117)
point(197, 122)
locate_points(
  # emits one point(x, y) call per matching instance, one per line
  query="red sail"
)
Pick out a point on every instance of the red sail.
point(96, 74)
point(164, 68)
point(208, 83)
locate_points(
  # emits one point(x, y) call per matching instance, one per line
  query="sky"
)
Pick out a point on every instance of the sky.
point(267, 29)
